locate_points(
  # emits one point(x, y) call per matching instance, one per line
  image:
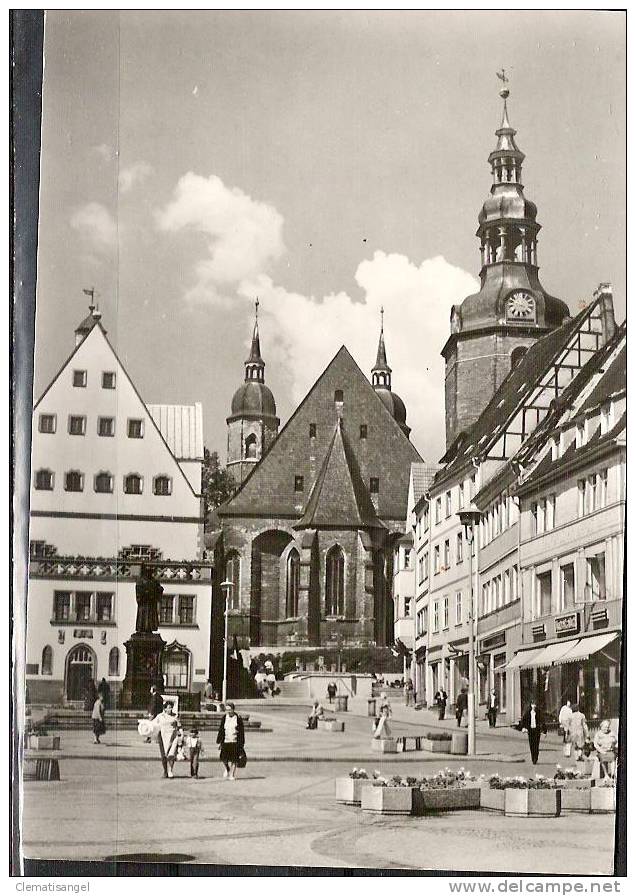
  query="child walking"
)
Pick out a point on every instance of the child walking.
point(196, 749)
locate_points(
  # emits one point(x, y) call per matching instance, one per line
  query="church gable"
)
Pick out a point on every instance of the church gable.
point(280, 485)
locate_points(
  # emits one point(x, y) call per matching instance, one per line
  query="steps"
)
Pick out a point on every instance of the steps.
point(294, 689)
point(80, 720)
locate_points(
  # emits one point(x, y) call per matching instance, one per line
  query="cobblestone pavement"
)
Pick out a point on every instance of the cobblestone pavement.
point(284, 813)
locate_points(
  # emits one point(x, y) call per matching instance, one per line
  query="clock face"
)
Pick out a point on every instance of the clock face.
point(520, 306)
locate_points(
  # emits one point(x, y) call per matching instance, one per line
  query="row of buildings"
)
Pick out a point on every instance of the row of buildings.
point(340, 537)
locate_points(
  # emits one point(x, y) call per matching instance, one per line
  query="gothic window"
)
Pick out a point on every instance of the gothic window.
point(47, 660)
point(113, 662)
point(293, 584)
point(251, 447)
point(334, 591)
point(233, 575)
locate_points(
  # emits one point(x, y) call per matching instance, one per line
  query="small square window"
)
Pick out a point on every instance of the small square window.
point(79, 378)
point(374, 485)
point(162, 485)
point(76, 425)
point(74, 481)
point(135, 429)
point(106, 426)
point(47, 423)
point(299, 483)
point(312, 430)
point(103, 483)
point(108, 379)
point(363, 430)
point(44, 480)
point(133, 484)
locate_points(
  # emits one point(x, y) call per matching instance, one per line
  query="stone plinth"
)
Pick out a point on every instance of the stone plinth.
point(384, 745)
point(143, 669)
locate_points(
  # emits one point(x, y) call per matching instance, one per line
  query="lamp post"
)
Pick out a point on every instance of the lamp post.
point(468, 518)
point(227, 587)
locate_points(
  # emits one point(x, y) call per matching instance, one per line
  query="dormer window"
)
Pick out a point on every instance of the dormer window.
point(299, 483)
point(606, 419)
point(580, 435)
point(312, 430)
point(363, 430)
point(79, 378)
point(338, 396)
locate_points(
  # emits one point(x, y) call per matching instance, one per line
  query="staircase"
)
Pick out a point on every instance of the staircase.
point(292, 689)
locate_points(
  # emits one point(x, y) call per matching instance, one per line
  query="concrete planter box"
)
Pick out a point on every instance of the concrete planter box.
point(334, 725)
point(603, 799)
point(493, 799)
point(436, 746)
point(532, 802)
point(349, 790)
point(575, 799)
point(459, 743)
point(44, 742)
point(445, 800)
point(384, 745)
point(575, 784)
point(388, 800)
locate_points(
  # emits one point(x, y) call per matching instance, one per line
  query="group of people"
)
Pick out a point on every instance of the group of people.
point(461, 706)
point(264, 677)
point(175, 744)
point(576, 736)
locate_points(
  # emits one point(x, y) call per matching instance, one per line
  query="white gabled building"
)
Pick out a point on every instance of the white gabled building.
point(114, 482)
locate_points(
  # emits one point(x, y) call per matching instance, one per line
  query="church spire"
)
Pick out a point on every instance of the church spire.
point(381, 372)
point(255, 366)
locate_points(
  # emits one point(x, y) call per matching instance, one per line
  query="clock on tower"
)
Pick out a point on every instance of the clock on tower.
point(520, 306)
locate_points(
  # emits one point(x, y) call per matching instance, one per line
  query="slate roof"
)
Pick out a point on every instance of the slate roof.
point(181, 426)
point(422, 476)
point(339, 496)
point(386, 453)
point(613, 380)
point(519, 382)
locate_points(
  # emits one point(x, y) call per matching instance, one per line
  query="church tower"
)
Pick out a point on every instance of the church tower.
point(252, 425)
point(381, 382)
point(493, 328)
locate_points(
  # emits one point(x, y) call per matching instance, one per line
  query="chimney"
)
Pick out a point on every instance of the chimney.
point(604, 296)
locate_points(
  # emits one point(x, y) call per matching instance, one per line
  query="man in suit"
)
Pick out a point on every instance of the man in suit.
point(493, 708)
point(533, 722)
point(441, 698)
point(461, 706)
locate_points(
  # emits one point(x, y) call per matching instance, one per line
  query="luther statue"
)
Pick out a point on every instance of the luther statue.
point(148, 593)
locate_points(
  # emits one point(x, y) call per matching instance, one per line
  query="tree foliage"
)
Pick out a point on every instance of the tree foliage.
point(217, 485)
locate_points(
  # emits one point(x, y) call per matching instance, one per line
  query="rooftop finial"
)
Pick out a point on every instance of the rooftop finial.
point(504, 93)
point(90, 292)
point(382, 318)
point(256, 304)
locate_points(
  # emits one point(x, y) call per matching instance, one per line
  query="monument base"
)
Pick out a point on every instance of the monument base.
point(143, 669)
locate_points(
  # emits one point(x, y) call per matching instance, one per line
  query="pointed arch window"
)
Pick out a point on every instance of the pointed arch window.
point(47, 660)
point(233, 575)
point(293, 584)
point(334, 591)
point(251, 447)
point(113, 662)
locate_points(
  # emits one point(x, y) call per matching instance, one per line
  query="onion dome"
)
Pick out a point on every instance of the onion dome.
point(254, 398)
point(381, 382)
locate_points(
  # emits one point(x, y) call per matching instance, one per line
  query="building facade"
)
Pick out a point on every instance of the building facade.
point(114, 482)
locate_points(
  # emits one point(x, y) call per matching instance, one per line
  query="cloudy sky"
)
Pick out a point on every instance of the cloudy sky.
point(327, 162)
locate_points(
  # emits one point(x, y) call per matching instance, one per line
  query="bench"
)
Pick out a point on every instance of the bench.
point(41, 765)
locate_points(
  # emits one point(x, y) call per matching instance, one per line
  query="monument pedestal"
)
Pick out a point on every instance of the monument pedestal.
point(143, 669)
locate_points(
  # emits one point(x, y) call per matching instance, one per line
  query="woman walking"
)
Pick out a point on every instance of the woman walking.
point(99, 726)
point(578, 731)
point(231, 739)
point(168, 725)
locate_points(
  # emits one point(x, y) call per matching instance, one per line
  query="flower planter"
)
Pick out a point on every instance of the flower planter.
point(574, 783)
point(388, 800)
point(445, 799)
point(493, 799)
point(334, 725)
point(44, 742)
point(531, 802)
point(436, 746)
point(384, 745)
point(349, 790)
point(575, 799)
point(603, 799)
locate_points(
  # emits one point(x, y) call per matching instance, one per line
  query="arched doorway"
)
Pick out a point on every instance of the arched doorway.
point(265, 597)
point(81, 667)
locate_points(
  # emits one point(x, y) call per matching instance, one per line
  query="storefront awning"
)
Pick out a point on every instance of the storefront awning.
point(553, 654)
point(586, 647)
point(521, 659)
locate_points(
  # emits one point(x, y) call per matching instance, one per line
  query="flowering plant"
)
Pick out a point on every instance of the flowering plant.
point(605, 782)
point(567, 774)
point(356, 773)
point(539, 782)
point(442, 780)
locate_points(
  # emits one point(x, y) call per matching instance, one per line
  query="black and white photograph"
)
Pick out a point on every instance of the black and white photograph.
point(320, 449)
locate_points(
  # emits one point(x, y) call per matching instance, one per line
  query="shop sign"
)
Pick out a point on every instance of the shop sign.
point(83, 633)
point(494, 641)
point(566, 625)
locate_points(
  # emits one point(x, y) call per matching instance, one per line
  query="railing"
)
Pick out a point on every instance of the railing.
point(104, 569)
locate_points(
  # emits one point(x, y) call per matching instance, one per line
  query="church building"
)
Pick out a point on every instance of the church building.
point(308, 538)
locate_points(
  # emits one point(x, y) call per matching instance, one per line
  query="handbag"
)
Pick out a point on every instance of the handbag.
point(241, 759)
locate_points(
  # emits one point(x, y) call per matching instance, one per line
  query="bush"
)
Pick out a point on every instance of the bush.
point(438, 735)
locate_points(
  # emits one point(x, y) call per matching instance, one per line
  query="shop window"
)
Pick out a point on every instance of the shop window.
point(47, 660)
point(334, 592)
point(499, 663)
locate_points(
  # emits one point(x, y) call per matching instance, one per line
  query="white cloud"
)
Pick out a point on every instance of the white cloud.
point(244, 235)
point(134, 174)
point(96, 225)
point(300, 333)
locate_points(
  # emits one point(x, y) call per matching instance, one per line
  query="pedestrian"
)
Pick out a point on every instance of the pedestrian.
point(103, 688)
point(493, 709)
point(408, 692)
point(195, 749)
point(208, 691)
point(231, 738)
point(317, 712)
point(269, 667)
point(579, 732)
point(331, 691)
point(441, 699)
point(91, 696)
point(260, 680)
point(98, 715)
point(461, 706)
point(155, 706)
point(253, 667)
point(381, 728)
point(532, 721)
point(565, 717)
point(271, 683)
point(606, 746)
point(167, 723)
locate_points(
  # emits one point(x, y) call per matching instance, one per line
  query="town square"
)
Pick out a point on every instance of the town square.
point(328, 461)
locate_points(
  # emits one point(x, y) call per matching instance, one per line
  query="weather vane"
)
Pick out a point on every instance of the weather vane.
point(90, 292)
point(382, 317)
point(504, 92)
point(256, 304)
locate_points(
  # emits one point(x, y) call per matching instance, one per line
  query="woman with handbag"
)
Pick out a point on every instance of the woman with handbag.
point(578, 732)
point(606, 746)
point(99, 725)
point(231, 739)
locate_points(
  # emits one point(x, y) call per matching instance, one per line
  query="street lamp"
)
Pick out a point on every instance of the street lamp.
point(227, 587)
point(468, 519)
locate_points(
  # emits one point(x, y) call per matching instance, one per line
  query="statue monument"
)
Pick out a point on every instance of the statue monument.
point(145, 645)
